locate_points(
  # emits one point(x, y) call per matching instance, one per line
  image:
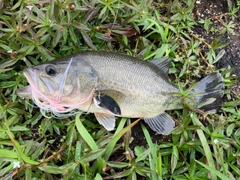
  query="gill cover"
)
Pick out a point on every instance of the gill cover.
point(87, 77)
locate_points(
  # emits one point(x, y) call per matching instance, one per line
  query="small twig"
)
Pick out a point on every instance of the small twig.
point(42, 163)
point(219, 17)
point(120, 159)
point(200, 39)
point(208, 65)
point(192, 108)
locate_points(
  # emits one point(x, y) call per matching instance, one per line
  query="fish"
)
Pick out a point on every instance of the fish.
point(110, 85)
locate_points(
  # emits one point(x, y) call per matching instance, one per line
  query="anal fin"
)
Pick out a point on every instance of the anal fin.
point(107, 120)
point(162, 123)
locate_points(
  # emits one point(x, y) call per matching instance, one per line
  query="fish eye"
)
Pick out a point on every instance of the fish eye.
point(50, 70)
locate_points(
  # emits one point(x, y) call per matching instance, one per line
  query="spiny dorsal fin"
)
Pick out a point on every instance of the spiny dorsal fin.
point(162, 123)
point(162, 63)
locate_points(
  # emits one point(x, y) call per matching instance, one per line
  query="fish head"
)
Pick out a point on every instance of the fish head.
point(60, 86)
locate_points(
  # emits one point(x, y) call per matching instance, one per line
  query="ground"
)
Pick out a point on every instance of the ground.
point(217, 10)
point(204, 9)
point(214, 12)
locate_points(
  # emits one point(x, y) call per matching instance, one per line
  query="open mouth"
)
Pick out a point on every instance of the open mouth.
point(25, 92)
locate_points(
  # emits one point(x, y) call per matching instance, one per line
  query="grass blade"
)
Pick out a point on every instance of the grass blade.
point(84, 133)
point(8, 154)
point(205, 145)
point(20, 151)
point(154, 160)
point(212, 170)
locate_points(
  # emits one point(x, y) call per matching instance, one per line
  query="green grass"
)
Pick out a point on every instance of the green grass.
point(78, 147)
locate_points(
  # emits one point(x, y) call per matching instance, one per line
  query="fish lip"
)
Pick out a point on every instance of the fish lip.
point(25, 92)
point(32, 76)
point(27, 72)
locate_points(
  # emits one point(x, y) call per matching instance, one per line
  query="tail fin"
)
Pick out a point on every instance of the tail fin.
point(211, 86)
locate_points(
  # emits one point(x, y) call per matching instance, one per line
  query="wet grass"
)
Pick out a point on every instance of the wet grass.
point(34, 147)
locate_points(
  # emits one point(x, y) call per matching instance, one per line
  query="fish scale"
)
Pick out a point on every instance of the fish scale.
point(135, 80)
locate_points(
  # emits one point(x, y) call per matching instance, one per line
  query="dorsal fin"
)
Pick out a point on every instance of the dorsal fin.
point(162, 63)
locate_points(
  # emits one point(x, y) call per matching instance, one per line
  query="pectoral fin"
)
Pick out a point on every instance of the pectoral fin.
point(108, 121)
point(107, 102)
point(162, 123)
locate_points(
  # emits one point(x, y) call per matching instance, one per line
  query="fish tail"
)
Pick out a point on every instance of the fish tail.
point(210, 90)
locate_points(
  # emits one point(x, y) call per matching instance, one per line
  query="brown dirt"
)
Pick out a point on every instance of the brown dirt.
point(216, 11)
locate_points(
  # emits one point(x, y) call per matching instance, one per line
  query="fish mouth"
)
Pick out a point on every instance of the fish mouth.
point(25, 92)
point(32, 78)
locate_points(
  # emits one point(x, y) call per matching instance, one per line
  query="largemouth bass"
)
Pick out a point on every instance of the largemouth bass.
point(111, 84)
